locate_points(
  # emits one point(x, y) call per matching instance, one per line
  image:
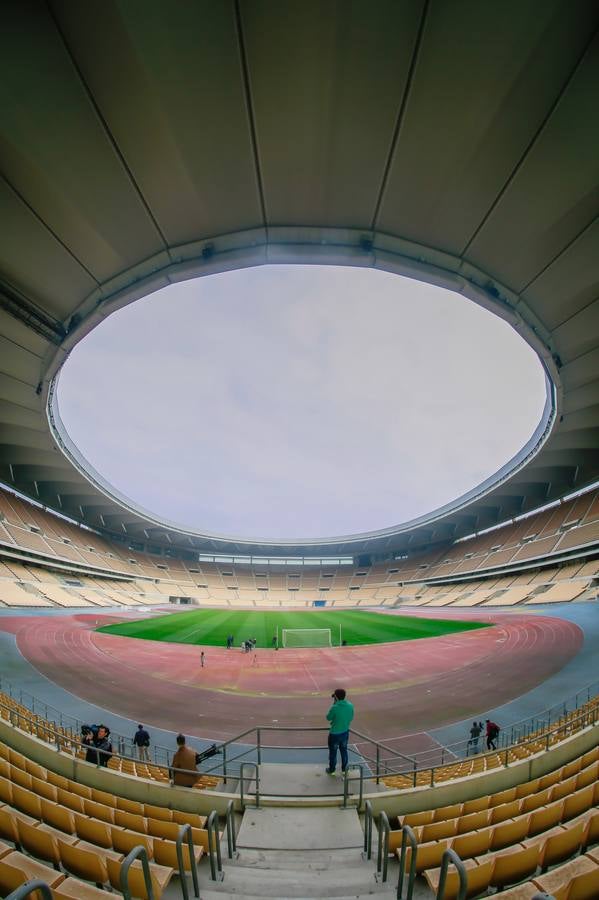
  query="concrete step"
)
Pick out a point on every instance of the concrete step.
point(210, 894)
point(280, 828)
point(335, 882)
point(301, 860)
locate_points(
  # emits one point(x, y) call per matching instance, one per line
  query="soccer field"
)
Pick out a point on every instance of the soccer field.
point(211, 626)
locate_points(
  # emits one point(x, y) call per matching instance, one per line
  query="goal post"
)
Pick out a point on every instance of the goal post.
point(306, 637)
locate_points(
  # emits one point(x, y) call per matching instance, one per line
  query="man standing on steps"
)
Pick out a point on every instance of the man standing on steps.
point(340, 715)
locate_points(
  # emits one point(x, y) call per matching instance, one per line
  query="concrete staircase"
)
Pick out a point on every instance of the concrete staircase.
point(299, 853)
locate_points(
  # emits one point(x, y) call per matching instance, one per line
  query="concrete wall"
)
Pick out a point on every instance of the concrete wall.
point(145, 791)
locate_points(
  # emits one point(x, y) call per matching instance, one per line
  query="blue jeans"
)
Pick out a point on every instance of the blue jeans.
point(338, 741)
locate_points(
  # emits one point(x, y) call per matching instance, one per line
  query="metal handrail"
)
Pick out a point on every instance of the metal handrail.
point(407, 835)
point(25, 890)
point(450, 856)
point(385, 768)
point(137, 853)
point(382, 855)
point(360, 767)
point(242, 777)
point(214, 853)
point(368, 818)
point(231, 836)
point(186, 835)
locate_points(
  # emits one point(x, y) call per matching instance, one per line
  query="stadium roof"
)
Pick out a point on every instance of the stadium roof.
point(145, 143)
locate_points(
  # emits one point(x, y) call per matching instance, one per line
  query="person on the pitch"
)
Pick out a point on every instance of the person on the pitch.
point(340, 715)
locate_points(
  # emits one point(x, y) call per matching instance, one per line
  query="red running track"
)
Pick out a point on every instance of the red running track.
point(400, 690)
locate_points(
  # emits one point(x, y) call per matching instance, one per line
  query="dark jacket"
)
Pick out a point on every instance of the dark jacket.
point(141, 738)
point(104, 749)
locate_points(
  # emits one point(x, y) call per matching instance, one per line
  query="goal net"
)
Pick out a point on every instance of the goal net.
point(306, 637)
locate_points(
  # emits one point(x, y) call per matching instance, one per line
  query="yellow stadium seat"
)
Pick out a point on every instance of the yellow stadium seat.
point(58, 816)
point(447, 812)
point(103, 797)
point(577, 803)
point(93, 830)
point(157, 812)
point(587, 776)
point(71, 801)
point(16, 869)
point(472, 821)
point(502, 797)
point(99, 811)
point(84, 863)
point(476, 843)
point(529, 787)
point(559, 879)
point(187, 818)
point(508, 833)
point(504, 812)
point(26, 801)
point(478, 879)
point(130, 806)
point(124, 841)
point(591, 831)
point(73, 889)
point(419, 818)
point(17, 776)
point(477, 805)
point(43, 789)
point(160, 877)
point(436, 831)
point(561, 846)
point(82, 790)
point(535, 801)
point(428, 856)
point(165, 854)
point(543, 819)
point(132, 821)
point(514, 866)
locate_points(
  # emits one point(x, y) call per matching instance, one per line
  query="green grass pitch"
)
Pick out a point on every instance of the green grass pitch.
point(211, 626)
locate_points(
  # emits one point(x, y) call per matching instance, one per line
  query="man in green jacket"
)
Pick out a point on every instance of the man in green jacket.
point(340, 716)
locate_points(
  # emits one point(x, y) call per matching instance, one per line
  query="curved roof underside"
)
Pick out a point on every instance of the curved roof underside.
point(143, 143)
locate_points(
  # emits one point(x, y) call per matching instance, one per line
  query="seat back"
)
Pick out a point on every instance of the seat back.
point(39, 843)
point(94, 831)
point(535, 801)
point(508, 833)
point(578, 803)
point(438, 830)
point(158, 828)
point(561, 846)
point(515, 866)
point(158, 812)
point(505, 811)
point(26, 801)
point(72, 801)
point(58, 816)
point(18, 776)
point(99, 811)
point(83, 863)
point(130, 820)
point(124, 841)
point(447, 812)
point(543, 819)
point(472, 821)
point(8, 826)
point(477, 805)
point(137, 885)
point(585, 886)
point(130, 806)
point(43, 789)
point(476, 843)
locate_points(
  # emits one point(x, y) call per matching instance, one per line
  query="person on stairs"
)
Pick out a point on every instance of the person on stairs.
point(340, 715)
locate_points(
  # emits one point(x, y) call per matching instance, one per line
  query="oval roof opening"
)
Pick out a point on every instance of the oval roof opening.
point(288, 402)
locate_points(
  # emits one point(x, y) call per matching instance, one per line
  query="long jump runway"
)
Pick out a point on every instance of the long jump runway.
point(400, 690)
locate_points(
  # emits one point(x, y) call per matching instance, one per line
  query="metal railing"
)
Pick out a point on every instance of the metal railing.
point(368, 818)
point(382, 855)
point(214, 851)
point(450, 856)
point(27, 889)
point(347, 779)
point(185, 834)
point(231, 836)
point(407, 835)
point(256, 779)
point(137, 853)
point(371, 768)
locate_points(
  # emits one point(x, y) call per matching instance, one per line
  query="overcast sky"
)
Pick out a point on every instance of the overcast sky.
point(300, 401)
